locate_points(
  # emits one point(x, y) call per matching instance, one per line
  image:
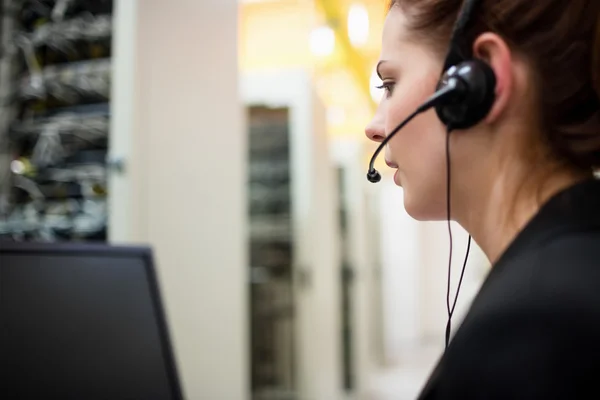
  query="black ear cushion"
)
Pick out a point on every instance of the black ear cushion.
point(470, 109)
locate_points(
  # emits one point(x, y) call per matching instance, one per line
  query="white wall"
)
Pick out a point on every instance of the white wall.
point(178, 121)
point(326, 252)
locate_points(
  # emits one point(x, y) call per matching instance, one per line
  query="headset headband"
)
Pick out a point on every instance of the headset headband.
point(458, 50)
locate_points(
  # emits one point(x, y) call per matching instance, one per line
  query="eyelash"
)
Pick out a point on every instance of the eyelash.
point(388, 87)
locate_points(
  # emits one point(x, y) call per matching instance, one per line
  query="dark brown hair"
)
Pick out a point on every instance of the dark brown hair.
point(560, 39)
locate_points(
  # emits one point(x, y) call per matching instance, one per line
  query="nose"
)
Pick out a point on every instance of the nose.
point(375, 129)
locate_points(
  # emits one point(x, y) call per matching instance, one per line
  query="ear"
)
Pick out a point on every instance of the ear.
point(492, 49)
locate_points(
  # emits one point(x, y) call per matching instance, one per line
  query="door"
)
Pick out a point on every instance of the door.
point(271, 255)
point(303, 356)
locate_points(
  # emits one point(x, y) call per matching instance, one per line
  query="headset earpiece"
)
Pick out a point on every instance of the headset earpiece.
point(470, 108)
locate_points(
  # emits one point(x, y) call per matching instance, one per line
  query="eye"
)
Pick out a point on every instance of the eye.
point(388, 87)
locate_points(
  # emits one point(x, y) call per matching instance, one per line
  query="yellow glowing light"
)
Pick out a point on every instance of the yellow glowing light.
point(322, 41)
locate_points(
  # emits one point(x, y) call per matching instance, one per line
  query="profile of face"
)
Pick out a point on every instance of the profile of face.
point(409, 72)
point(524, 149)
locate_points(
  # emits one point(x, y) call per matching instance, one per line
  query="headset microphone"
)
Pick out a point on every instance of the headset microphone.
point(464, 96)
point(453, 90)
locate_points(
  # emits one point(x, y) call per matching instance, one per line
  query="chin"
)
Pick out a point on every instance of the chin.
point(423, 210)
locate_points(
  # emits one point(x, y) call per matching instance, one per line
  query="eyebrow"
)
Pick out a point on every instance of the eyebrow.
point(377, 68)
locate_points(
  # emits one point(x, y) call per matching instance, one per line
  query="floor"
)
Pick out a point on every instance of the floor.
point(405, 381)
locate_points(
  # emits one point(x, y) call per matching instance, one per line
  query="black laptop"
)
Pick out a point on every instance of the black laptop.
point(83, 322)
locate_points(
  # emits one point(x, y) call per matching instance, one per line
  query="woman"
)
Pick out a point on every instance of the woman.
point(522, 186)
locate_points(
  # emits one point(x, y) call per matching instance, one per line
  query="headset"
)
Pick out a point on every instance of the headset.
point(464, 95)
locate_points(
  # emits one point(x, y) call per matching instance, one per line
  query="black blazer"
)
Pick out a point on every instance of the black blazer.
point(533, 330)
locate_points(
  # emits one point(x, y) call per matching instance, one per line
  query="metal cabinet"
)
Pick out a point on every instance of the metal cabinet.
point(55, 81)
point(293, 240)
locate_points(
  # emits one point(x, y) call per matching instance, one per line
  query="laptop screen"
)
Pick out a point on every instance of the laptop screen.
point(82, 322)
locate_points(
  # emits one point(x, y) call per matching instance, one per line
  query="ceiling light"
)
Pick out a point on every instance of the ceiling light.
point(322, 41)
point(358, 25)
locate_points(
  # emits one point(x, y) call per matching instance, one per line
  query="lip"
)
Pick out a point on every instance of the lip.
point(391, 164)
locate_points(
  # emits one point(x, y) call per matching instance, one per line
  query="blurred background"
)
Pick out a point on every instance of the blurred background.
point(229, 136)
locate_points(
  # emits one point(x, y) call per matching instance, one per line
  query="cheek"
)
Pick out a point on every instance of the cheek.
point(419, 147)
point(416, 145)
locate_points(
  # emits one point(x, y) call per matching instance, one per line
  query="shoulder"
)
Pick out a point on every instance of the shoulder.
point(562, 275)
point(549, 295)
point(534, 332)
point(530, 352)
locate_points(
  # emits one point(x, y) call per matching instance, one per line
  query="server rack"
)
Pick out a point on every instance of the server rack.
point(55, 79)
point(271, 255)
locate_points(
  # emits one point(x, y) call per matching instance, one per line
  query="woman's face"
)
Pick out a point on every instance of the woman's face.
point(409, 72)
